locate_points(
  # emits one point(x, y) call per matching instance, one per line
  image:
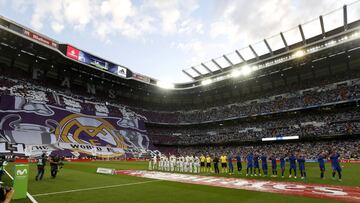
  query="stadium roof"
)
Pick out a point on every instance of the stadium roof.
point(308, 38)
point(299, 35)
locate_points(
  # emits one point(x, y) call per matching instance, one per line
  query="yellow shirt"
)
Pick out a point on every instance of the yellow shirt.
point(202, 159)
point(208, 159)
point(223, 159)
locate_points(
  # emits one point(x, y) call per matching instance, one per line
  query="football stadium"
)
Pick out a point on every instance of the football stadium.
point(273, 121)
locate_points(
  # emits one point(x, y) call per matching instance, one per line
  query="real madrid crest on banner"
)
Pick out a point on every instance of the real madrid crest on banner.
point(39, 127)
point(94, 132)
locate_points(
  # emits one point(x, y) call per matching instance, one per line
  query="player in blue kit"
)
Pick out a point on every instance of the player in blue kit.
point(334, 157)
point(273, 165)
point(282, 165)
point(238, 163)
point(230, 164)
point(301, 162)
point(321, 161)
point(256, 165)
point(292, 161)
point(249, 162)
point(264, 165)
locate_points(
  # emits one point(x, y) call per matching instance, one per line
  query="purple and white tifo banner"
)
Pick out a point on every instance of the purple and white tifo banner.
point(330, 192)
point(31, 128)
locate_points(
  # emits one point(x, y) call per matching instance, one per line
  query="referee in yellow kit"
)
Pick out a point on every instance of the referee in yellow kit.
point(223, 160)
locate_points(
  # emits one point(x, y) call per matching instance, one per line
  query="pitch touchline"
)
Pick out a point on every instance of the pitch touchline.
point(95, 188)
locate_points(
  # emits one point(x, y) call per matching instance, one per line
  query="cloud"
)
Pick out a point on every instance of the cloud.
point(251, 21)
point(57, 27)
point(172, 12)
point(45, 10)
point(236, 24)
point(78, 13)
point(108, 17)
point(190, 26)
point(132, 22)
point(201, 30)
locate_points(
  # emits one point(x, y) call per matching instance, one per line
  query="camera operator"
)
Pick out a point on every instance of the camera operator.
point(6, 194)
point(3, 163)
point(54, 165)
point(41, 162)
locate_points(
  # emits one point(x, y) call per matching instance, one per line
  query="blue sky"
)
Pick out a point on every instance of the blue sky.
point(159, 38)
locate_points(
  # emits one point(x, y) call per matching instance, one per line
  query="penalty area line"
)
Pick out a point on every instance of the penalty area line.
point(95, 188)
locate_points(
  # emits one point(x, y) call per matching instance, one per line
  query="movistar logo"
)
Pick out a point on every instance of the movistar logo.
point(21, 172)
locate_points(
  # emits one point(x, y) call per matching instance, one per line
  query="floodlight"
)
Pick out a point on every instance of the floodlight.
point(165, 85)
point(246, 70)
point(235, 73)
point(299, 54)
point(255, 68)
point(206, 82)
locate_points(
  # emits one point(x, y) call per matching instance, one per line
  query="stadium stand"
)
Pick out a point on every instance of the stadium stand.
point(313, 96)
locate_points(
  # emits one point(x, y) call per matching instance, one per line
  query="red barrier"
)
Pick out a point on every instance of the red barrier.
point(21, 161)
point(350, 161)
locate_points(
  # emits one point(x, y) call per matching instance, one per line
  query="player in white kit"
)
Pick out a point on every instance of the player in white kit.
point(177, 166)
point(191, 164)
point(186, 159)
point(182, 163)
point(172, 163)
point(161, 163)
point(152, 163)
point(196, 164)
point(166, 164)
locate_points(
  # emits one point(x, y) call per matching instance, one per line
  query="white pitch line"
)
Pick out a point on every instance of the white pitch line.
point(95, 188)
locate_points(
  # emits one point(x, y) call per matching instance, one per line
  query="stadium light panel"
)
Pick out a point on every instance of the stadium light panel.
point(299, 54)
point(254, 68)
point(246, 70)
point(235, 73)
point(206, 82)
point(165, 85)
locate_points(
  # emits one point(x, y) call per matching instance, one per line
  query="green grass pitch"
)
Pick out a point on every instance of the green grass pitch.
point(82, 176)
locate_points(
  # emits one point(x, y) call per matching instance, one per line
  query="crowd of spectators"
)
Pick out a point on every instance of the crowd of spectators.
point(315, 125)
point(65, 99)
point(319, 93)
point(317, 96)
point(349, 149)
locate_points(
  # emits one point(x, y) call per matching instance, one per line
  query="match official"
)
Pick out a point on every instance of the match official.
point(216, 164)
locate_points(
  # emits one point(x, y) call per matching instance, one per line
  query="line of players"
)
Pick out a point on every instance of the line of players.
point(185, 164)
point(195, 164)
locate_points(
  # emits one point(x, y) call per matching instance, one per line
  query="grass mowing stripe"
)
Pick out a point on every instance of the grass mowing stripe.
point(95, 188)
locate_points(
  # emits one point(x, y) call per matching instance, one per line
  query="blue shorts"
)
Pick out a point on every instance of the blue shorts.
point(322, 168)
point(337, 168)
point(293, 167)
